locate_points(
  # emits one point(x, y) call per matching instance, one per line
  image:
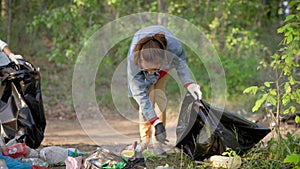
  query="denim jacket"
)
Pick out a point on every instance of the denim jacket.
point(139, 80)
point(3, 58)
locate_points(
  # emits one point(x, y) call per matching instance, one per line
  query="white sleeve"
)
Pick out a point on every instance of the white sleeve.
point(2, 45)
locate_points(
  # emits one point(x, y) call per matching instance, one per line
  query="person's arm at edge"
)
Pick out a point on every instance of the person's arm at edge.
point(4, 48)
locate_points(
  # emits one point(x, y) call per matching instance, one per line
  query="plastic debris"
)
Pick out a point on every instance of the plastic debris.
point(3, 164)
point(75, 152)
point(16, 150)
point(33, 153)
point(35, 162)
point(14, 163)
point(38, 167)
point(128, 151)
point(138, 160)
point(225, 162)
point(73, 162)
point(164, 167)
point(103, 158)
point(54, 154)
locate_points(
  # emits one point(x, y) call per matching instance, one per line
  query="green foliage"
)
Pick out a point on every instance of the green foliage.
point(273, 155)
point(283, 91)
point(283, 146)
point(229, 152)
point(236, 42)
point(293, 158)
point(225, 23)
point(66, 22)
point(233, 32)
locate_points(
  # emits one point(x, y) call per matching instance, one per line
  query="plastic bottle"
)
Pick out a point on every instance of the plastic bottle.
point(32, 153)
point(3, 164)
point(16, 150)
point(35, 162)
point(2, 144)
point(138, 151)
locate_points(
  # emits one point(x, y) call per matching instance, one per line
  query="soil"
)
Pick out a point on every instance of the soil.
point(65, 129)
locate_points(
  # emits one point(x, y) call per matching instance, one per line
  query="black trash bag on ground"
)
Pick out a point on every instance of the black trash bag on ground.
point(21, 107)
point(203, 130)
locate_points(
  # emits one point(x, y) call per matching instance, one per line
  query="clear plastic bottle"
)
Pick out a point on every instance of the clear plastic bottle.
point(138, 151)
point(35, 162)
point(3, 164)
point(2, 144)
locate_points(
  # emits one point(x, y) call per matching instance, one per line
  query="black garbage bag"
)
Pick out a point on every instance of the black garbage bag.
point(203, 130)
point(21, 107)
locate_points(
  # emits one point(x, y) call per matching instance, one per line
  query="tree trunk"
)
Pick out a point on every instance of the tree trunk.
point(206, 9)
point(162, 8)
point(3, 9)
point(9, 23)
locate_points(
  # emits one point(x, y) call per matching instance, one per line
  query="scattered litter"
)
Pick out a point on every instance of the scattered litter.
point(73, 162)
point(54, 154)
point(3, 164)
point(74, 152)
point(103, 158)
point(38, 167)
point(35, 162)
point(16, 150)
point(218, 161)
point(164, 167)
point(138, 160)
point(33, 153)
point(14, 163)
point(128, 151)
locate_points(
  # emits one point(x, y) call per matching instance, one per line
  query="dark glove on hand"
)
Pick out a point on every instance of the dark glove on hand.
point(160, 133)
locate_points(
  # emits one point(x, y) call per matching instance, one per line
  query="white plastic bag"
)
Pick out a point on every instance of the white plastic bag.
point(54, 154)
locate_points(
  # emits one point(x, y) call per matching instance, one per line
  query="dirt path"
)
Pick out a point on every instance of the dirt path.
point(114, 132)
point(71, 132)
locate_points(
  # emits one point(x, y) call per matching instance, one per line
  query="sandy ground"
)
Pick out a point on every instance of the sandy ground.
point(114, 132)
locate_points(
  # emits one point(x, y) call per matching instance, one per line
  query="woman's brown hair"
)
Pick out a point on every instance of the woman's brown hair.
point(150, 43)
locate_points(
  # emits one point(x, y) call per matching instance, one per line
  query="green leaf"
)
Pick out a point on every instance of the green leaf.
point(297, 119)
point(286, 111)
point(259, 102)
point(271, 100)
point(286, 99)
point(289, 39)
point(252, 90)
point(293, 109)
point(280, 30)
point(289, 17)
point(273, 92)
point(293, 158)
point(267, 84)
point(291, 80)
point(284, 56)
point(287, 88)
